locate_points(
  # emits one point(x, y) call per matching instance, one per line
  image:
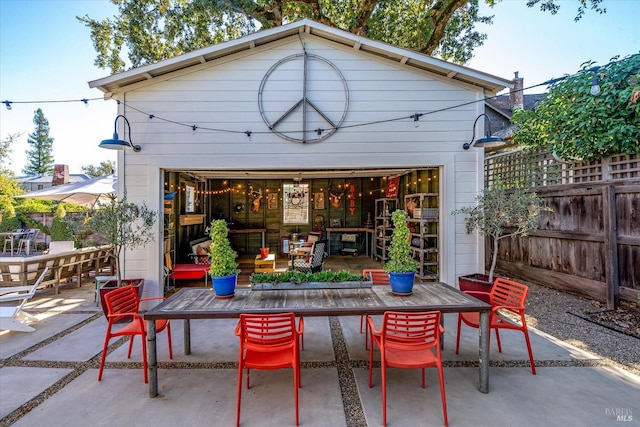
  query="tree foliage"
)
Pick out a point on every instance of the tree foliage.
point(40, 156)
point(577, 125)
point(500, 213)
point(106, 167)
point(552, 6)
point(123, 225)
point(60, 229)
point(9, 187)
point(152, 30)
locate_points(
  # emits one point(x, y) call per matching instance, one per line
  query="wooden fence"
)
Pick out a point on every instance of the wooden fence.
point(590, 243)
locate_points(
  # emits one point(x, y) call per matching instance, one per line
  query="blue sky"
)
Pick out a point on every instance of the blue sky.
point(47, 55)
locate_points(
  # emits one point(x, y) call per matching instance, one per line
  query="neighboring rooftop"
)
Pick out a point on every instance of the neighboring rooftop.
point(60, 175)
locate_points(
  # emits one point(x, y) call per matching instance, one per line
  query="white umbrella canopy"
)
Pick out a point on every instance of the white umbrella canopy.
point(88, 193)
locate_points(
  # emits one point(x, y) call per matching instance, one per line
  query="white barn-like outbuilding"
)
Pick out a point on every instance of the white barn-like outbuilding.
point(302, 101)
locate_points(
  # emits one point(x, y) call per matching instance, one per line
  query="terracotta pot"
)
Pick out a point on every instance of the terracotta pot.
point(264, 253)
point(111, 284)
point(476, 282)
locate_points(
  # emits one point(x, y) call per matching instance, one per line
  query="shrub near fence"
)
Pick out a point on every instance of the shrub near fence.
point(590, 243)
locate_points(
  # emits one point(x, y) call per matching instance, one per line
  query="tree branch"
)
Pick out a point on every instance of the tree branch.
point(440, 14)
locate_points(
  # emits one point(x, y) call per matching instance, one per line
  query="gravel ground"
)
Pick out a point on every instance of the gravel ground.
point(586, 324)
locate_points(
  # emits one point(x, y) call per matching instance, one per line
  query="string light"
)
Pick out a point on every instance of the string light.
point(416, 120)
point(595, 85)
point(595, 90)
point(85, 101)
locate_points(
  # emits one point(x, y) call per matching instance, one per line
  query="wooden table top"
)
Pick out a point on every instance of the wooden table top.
point(201, 303)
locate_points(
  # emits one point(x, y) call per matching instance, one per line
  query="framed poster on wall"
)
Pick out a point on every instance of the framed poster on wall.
point(295, 206)
point(190, 199)
point(318, 201)
point(272, 201)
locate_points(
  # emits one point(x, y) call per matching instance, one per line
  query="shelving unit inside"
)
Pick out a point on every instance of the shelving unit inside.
point(425, 235)
point(383, 228)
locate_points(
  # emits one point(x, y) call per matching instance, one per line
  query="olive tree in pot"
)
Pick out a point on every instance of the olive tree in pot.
point(500, 213)
point(401, 265)
point(224, 268)
point(122, 225)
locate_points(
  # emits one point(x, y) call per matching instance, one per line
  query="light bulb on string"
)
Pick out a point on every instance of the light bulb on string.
point(595, 86)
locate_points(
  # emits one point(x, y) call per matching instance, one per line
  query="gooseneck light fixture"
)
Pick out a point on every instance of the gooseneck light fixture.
point(488, 140)
point(118, 144)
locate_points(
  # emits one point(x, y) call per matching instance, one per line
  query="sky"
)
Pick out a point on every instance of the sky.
point(46, 54)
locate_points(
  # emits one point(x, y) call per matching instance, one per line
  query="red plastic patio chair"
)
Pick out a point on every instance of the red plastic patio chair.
point(269, 341)
point(124, 303)
point(407, 340)
point(506, 296)
point(378, 277)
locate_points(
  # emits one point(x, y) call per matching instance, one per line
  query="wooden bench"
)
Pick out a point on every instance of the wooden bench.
point(24, 271)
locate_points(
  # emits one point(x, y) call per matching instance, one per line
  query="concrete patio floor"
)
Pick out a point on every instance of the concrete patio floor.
point(49, 377)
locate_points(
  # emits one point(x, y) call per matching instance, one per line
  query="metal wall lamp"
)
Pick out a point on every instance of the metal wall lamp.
point(118, 144)
point(488, 140)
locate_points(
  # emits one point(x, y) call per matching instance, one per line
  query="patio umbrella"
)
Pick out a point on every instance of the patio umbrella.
point(88, 193)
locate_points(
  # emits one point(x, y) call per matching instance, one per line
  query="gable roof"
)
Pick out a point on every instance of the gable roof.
point(447, 70)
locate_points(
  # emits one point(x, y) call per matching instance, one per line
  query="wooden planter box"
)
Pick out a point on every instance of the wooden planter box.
point(476, 282)
point(112, 284)
point(309, 285)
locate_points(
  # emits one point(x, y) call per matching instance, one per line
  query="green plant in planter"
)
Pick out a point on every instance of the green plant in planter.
point(300, 277)
point(502, 213)
point(400, 254)
point(222, 256)
point(123, 225)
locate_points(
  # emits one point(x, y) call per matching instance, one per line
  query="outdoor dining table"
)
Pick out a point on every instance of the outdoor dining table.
point(201, 303)
point(12, 235)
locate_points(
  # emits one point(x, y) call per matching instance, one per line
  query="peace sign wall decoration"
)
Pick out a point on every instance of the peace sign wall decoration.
point(303, 98)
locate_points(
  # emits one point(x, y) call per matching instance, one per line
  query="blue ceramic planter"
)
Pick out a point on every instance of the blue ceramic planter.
point(224, 286)
point(401, 283)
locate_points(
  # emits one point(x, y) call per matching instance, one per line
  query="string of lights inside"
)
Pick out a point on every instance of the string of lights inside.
point(595, 90)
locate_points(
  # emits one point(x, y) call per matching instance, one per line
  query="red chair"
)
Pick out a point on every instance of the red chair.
point(124, 303)
point(269, 341)
point(506, 296)
point(378, 277)
point(407, 340)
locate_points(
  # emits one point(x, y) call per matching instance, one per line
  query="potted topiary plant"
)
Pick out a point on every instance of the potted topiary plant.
point(500, 213)
point(224, 268)
point(401, 265)
point(122, 225)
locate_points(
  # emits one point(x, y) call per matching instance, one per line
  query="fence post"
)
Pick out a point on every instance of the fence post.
point(611, 246)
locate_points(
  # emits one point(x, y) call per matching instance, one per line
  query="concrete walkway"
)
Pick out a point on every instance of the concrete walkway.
point(49, 377)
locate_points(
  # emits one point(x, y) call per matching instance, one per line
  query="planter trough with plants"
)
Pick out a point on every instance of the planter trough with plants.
point(296, 280)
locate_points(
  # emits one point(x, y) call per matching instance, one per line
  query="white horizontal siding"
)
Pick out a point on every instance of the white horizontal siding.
point(224, 96)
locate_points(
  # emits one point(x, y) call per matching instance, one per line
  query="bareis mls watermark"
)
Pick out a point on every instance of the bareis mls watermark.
point(620, 414)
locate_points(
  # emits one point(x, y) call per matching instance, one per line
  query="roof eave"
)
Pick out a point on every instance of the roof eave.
point(488, 82)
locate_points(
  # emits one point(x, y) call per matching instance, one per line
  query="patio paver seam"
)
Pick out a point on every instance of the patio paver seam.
point(353, 410)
